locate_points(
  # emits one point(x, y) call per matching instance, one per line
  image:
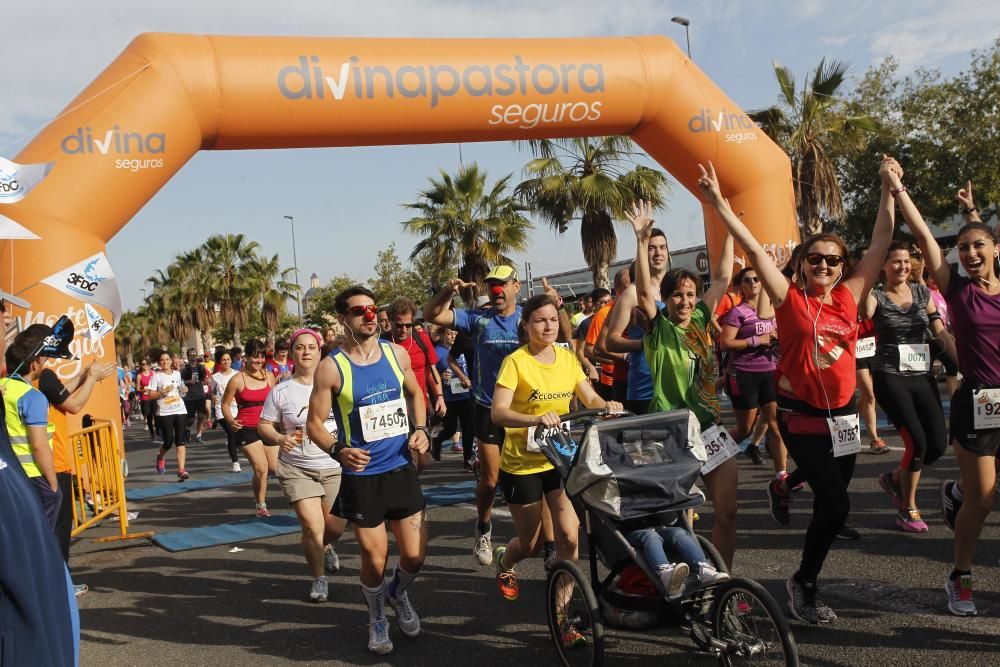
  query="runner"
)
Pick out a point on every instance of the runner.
point(194, 375)
point(974, 307)
point(375, 447)
point(903, 313)
point(815, 378)
point(599, 298)
point(279, 365)
point(220, 378)
point(608, 363)
point(461, 408)
point(535, 385)
point(249, 388)
point(412, 338)
point(309, 478)
point(168, 390)
point(147, 404)
point(748, 335)
point(682, 362)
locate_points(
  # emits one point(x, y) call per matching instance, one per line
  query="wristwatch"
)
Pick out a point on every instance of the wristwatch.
point(426, 430)
point(337, 449)
point(969, 211)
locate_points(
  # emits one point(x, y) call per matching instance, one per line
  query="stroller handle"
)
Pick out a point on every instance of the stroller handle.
point(578, 415)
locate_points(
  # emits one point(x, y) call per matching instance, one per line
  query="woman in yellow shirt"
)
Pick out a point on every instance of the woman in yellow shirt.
point(534, 387)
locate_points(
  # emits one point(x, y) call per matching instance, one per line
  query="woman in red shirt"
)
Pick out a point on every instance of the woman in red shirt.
point(815, 380)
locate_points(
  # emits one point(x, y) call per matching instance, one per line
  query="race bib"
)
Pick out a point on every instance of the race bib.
point(171, 397)
point(864, 347)
point(846, 435)
point(456, 387)
point(915, 358)
point(330, 425)
point(986, 408)
point(719, 447)
point(533, 446)
point(384, 420)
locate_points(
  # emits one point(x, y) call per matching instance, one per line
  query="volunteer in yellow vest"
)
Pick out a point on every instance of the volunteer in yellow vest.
point(27, 414)
point(535, 385)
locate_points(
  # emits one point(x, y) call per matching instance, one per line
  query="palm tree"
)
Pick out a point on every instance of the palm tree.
point(468, 222)
point(275, 287)
point(594, 179)
point(230, 284)
point(815, 129)
point(196, 292)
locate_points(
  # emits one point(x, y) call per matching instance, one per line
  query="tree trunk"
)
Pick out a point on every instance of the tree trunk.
point(237, 341)
point(597, 235)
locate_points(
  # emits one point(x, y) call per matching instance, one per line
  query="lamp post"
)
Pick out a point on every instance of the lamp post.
point(680, 20)
point(295, 260)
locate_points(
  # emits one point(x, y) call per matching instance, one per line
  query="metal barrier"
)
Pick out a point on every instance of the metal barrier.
point(99, 481)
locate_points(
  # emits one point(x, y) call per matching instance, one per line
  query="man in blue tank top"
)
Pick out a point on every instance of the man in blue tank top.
point(370, 386)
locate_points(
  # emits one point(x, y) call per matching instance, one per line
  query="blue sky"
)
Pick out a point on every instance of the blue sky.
point(53, 48)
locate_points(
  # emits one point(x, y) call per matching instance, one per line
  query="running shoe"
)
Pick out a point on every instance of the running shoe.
point(910, 522)
point(482, 548)
point(892, 489)
point(825, 613)
point(878, 446)
point(406, 616)
point(80, 589)
point(183, 476)
point(506, 579)
point(802, 601)
point(236, 466)
point(550, 559)
point(779, 504)
point(949, 503)
point(320, 590)
point(199, 439)
point(959, 592)
point(378, 637)
point(331, 561)
point(753, 455)
point(672, 576)
point(161, 465)
point(262, 512)
point(848, 533)
point(570, 636)
point(709, 576)
point(457, 448)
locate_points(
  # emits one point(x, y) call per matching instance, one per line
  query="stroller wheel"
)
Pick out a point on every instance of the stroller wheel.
point(575, 622)
point(746, 618)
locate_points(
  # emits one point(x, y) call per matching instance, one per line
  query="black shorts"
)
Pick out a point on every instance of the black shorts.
point(982, 442)
point(196, 406)
point(487, 432)
point(748, 390)
point(247, 436)
point(527, 489)
point(863, 364)
point(369, 500)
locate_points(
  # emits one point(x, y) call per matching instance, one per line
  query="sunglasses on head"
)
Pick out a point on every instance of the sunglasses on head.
point(358, 311)
point(750, 280)
point(814, 258)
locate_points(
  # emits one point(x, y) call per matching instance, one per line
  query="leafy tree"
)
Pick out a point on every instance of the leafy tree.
point(593, 179)
point(392, 280)
point(322, 300)
point(815, 128)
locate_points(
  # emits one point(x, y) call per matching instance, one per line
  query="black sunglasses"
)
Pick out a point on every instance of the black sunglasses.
point(750, 280)
point(814, 258)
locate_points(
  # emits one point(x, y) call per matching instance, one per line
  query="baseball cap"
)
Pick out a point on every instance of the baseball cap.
point(482, 301)
point(502, 273)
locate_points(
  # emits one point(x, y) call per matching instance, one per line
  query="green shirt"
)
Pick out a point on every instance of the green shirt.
point(683, 366)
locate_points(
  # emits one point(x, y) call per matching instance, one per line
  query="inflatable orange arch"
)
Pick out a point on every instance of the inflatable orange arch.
point(168, 96)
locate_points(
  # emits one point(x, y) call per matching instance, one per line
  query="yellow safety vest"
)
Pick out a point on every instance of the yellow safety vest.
point(13, 389)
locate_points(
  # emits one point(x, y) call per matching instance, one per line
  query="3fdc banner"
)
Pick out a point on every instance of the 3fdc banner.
point(91, 281)
point(168, 96)
point(17, 180)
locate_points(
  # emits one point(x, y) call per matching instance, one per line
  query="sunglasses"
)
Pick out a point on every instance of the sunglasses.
point(358, 311)
point(814, 258)
point(750, 280)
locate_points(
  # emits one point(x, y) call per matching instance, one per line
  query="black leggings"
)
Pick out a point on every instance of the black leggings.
point(913, 404)
point(149, 414)
point(458, 412)
point(172, 428)
point(828, 477)
point(231, 444)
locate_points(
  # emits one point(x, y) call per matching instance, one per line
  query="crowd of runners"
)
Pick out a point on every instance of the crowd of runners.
point(346, 422)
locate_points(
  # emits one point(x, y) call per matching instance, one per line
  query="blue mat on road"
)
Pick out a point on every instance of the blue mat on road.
point(193, 484)
point(283, 524)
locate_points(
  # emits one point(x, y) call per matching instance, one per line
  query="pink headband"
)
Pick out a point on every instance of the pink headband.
point(304, 330)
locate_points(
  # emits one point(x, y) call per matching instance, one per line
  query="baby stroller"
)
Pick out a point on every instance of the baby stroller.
point(632, 467)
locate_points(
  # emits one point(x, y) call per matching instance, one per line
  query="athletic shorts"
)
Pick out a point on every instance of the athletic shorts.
point(369, 500)
point(301, 483)
point(983, 442)
point(196, 406)
point(527, 489)
point(864, 364)
point(246, 436)
point(487, 432)
point(748, 390)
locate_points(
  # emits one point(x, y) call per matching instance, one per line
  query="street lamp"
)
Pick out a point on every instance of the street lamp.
point(295, 260)
point(680, 20)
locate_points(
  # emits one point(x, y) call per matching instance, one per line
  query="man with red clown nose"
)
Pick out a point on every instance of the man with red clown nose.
point(494, 336)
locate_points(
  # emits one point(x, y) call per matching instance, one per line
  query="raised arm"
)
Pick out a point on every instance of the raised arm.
point(438, 309)
point(641, 219)
point(868, 269)
point(892, 178)
point(721, 276)
point(969, 210)
point(611, 338)
point(771, 278)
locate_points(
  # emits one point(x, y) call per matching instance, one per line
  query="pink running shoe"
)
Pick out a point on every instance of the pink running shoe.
point(910, 522)
point(161, 465)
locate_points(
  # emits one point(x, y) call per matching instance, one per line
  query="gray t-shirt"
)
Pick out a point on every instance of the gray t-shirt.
point(895, 326)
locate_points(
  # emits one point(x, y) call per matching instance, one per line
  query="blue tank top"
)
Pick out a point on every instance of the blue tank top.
point(361, 386)
point(640, 379)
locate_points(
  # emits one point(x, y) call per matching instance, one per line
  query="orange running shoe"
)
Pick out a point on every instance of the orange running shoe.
point(506, 579)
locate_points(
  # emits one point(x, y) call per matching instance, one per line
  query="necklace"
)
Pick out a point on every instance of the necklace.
point(262, 377)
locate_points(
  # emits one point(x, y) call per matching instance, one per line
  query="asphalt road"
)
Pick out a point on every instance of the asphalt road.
point(149, 607)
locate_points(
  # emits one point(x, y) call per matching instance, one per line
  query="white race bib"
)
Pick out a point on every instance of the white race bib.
point(846, 435)
point(719, 447)
point(533, 446)
point(986, 408)
point(384, 420)
point(864, 347)
point(915, 358)
point(456, 387)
